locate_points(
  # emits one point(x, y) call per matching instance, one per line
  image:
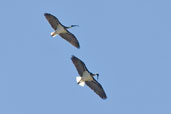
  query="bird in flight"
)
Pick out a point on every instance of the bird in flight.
point(87, 78)
point(61, 30)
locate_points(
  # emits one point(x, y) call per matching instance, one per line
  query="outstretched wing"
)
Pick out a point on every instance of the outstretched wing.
point(70, 38)
point(80, 66)
point(97, 88)
point(53, 21)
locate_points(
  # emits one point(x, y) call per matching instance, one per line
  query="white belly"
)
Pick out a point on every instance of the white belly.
point(60, 29)
point(86, 76)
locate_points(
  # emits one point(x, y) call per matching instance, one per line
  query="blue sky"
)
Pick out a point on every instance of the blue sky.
point(127, 42)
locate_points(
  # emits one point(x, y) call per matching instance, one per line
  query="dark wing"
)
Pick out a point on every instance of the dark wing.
point(70, 38)
point(97, 88)
point(53, 21)
point(80, 66)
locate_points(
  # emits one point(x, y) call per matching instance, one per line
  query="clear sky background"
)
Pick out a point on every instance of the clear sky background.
point(128, 42)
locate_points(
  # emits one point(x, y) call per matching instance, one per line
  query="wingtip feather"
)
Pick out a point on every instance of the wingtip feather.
point(104, 97)
point(46, 14)
point(78, 46)
point(73, 56)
